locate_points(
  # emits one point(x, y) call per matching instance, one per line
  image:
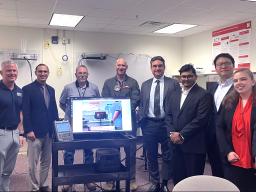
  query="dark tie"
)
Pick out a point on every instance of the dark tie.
point(157, 112)
point(46, 96)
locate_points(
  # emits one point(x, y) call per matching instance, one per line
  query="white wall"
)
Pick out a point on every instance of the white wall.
point(61, 73)
point(196, 49)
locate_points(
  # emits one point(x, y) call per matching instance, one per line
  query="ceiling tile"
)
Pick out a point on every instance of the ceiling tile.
point(125, 16)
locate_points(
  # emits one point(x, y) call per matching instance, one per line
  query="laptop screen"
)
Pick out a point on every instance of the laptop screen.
point(62, 126)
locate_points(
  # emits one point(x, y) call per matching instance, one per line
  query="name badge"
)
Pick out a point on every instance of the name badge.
point(19, 94)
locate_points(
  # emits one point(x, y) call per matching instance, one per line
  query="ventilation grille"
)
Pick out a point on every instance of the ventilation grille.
point(153, 24)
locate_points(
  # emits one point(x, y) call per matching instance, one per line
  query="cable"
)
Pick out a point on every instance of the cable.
point(30, 67)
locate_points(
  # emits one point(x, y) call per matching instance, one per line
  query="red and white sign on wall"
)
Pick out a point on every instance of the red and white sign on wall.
point(236, 40)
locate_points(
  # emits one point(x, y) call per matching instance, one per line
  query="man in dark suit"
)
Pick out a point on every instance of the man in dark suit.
point(187, 117)
point(224, 66)
point(39, 112)
point(154, 95)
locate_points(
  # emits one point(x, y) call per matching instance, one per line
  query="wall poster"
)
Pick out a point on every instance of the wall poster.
point(236, 40)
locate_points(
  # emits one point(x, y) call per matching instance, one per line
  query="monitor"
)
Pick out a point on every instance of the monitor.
point(94, 115)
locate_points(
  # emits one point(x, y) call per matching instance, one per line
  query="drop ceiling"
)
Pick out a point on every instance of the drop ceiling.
point(129, 16)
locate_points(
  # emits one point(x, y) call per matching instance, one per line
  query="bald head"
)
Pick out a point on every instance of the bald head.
point(121, 67)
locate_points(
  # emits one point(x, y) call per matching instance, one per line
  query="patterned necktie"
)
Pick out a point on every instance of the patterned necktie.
point(157, 112)
point(46, 96)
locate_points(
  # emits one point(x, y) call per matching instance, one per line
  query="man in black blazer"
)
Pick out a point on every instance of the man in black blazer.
point(187, 117)
point(224, 66)
point(152, 114)
point(39, 112)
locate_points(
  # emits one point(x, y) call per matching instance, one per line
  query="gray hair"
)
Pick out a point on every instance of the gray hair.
point(81, 66)
point(8, 62)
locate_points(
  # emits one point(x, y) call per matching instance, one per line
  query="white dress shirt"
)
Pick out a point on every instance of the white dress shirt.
point(221, 91)
point(152, 96)
point(184, 94)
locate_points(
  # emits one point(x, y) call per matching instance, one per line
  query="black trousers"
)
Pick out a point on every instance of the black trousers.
point(154, 132)
point(213, 154)
point(186, 164)
point(244, 179)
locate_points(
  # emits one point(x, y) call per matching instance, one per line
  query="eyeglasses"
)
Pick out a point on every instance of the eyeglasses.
point(186, 76)
point(84, 73)
point(226, 64)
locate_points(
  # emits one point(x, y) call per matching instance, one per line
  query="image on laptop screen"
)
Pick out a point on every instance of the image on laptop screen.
point(63, 131)
point(100, 115)
point(62, 126)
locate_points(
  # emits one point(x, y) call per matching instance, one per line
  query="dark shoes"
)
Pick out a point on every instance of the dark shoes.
point(154, 187)
point(164, 188)
point(90, 186)
point(44, 189)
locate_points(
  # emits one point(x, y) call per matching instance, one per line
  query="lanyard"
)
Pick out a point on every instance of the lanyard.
point(82, 93)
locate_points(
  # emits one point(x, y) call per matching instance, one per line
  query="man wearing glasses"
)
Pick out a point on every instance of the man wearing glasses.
point(80, 88)
point(187, 118)
point(224, 66)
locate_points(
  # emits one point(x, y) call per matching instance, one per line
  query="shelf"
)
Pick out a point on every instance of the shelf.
point(75, 174)
point(81, 173)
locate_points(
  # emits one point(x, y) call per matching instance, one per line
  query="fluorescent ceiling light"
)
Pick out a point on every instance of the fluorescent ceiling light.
point(174, 28)
point(65, 20)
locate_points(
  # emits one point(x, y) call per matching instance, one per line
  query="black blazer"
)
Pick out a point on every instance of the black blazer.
point(169, 86)
point(211, 130)
point(36, 116)
point(224, 130)
point(191, 120)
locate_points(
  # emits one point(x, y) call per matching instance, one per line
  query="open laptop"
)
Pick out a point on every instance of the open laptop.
point(63, 131)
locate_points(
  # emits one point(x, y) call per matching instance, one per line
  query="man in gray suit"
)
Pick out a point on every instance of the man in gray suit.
point(154, 95)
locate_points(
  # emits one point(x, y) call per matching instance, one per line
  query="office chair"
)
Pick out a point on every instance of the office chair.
point(205, 183)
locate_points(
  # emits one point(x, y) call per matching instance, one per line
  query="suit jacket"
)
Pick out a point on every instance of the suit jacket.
point(215, 113)
point(191, 120)
point(36, 116)
point(169, 86)
point(224, 130)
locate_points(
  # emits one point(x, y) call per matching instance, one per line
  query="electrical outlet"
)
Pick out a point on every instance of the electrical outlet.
point(46, 44)
point(65, 41)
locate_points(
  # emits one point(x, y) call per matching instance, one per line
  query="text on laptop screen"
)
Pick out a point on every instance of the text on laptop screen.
point(100, 115)
point(62, 126)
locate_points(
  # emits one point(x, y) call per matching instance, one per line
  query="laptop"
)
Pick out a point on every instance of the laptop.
point(63, 131)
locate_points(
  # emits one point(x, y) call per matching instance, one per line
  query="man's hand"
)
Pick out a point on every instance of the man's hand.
point(31, 136)
point(232, 157)
point(22, 140)
point(176, 138)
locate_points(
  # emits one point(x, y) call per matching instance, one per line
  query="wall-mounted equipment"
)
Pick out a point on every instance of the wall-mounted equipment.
point(94, 56)
point(25, 56)
point(55, 39)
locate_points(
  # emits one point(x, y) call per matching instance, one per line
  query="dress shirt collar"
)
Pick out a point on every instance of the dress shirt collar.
point(161, 79)
point(226, 83)
point(39, 84)
point(186, 91)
